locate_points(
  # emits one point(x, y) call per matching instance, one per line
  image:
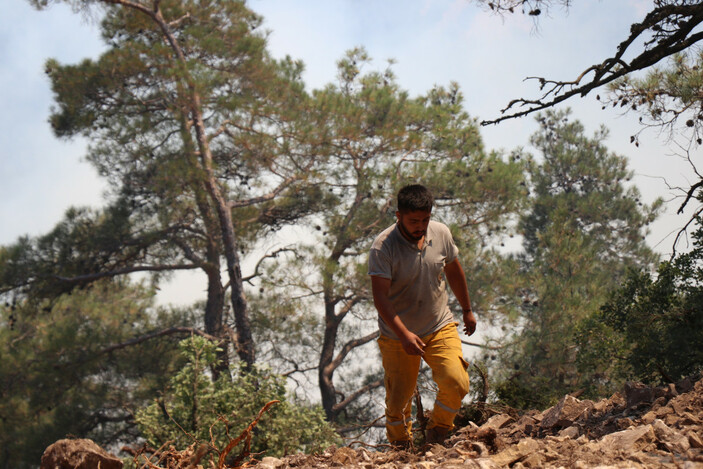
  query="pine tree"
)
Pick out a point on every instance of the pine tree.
point(199, 130)
point(584, 231)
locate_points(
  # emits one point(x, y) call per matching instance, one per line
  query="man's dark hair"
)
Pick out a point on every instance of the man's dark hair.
point(415, 197)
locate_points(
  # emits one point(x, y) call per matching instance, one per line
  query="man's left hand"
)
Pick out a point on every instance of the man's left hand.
point(469, 322)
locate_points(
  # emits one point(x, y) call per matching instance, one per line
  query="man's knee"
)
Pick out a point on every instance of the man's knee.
point(455, 380)
point(459, 385)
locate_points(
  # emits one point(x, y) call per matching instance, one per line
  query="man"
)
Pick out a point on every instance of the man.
point(406, 263)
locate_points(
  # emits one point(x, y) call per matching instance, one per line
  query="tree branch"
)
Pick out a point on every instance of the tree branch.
point(153, 335)
point(689, 195)
point(126, 270)
point(474, 344)
point(356, 394)
point(272, 255)
point(265, 197)
point(348, 347)
point(613, 68)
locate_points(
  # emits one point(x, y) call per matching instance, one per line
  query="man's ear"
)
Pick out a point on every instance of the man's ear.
point(397, 214)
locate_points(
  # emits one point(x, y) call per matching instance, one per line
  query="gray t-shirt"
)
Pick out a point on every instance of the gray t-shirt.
point(418, 292)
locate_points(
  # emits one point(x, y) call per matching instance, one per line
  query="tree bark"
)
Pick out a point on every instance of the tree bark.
point(325, 369)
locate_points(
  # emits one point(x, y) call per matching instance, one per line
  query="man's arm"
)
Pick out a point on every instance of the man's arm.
point(457, 282)
point(411, 343)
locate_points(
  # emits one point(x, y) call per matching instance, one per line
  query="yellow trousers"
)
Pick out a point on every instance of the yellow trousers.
point(444, 356)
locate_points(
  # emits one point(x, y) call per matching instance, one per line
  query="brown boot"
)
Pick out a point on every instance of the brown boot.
point(436, 435)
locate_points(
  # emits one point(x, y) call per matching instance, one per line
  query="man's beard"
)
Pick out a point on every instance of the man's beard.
point(411, 236)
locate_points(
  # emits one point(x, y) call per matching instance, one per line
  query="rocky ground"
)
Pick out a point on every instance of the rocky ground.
point(641, 427)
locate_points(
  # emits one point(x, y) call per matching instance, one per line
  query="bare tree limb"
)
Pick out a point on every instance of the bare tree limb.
point(689, 195)
point(474, 344)
point(349, 346)
point(685, 19)
point(298, 370)
point(356, 394)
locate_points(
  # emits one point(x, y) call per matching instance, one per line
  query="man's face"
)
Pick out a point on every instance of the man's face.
point(413, 224)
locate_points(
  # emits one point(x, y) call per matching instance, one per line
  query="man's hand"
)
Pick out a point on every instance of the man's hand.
point(469, 322)
point(412, 344)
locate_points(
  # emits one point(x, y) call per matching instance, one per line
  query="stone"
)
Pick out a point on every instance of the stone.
point(686, 385)
point(525, 425)
point(497, 421)
point(638, 393)
point(632, 439)
point(695, 440)
point(516, 452)
point(270, 463)
point(78, 454)
point(673, 440)
point(533, 460)
point(344, 456)
point(624, 423)
point(601, 406)
point(565, 413)
point(689, 419)
point(481, 463)
point(572, 432)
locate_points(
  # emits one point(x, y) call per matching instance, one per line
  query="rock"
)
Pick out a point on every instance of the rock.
point(344, 456)
point(572, 432)
point(688, 419)
point(624, 423)
point(695, 440)
point(481, 463)
point(632, 439)
point(270, 463)
point(671, 391)
point(673, 440)
point(565, 413)
point(78, 454)
point(497, 421)
point(525, 426)
point(686, 385)
point(533, 460)
point(601, 406)
point(516, 452)
point(637, 393)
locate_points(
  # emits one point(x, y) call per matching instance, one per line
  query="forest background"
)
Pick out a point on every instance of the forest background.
point(522, 296)
point(431, 42)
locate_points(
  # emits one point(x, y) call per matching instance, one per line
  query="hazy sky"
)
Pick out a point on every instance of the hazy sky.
point(432, 42)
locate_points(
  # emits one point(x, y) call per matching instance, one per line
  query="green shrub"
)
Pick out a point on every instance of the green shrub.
point(194, 408)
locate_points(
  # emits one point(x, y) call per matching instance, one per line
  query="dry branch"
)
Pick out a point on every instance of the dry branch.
point(245, 434)
point(683, 21)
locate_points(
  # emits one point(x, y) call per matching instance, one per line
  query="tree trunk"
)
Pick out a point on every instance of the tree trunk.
point(325, 368)
point(245, 343)
point(214, 307)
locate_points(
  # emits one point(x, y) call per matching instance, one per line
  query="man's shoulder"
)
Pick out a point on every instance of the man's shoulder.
point(439, 228)
point(384, 238)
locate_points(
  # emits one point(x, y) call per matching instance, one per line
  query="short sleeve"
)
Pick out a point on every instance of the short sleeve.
point(452, 250)
point(379, 264)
